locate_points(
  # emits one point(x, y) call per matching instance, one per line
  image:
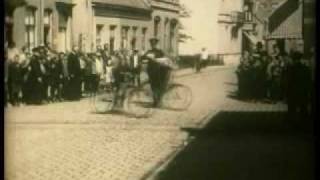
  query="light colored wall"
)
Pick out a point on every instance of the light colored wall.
point(19, 27)
point(230, 46)
point(83, 24)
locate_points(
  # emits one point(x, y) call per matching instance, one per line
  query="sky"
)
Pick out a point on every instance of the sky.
point(202, 26)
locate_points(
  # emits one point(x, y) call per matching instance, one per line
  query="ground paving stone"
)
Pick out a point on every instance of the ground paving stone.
point(66, 141)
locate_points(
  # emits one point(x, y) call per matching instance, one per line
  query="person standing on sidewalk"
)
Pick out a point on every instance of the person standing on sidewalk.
point(299, 88)
point(197, 64)
point(35, 79)
point(75, 74)
point(204, 58)
point(14, 81)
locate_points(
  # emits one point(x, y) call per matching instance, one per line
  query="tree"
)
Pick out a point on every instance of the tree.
point(184, 13)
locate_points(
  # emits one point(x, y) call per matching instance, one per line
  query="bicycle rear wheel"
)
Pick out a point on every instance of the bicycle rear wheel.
point(103, 100)
point(139, 103)
point(177, 97)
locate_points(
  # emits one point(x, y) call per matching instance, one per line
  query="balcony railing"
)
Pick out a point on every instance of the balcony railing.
point(237, 17)
point(234, 17)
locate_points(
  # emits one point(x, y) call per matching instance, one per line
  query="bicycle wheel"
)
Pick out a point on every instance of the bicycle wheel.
point(139, 103)
point(177, 97)
point(103, 100)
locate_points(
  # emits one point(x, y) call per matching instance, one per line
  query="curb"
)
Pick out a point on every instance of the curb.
point(160, 166)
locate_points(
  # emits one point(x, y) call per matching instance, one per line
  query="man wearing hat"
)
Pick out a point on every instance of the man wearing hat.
point(74, 70)
point(298, 87)
point(34, 80)
point(158, 73)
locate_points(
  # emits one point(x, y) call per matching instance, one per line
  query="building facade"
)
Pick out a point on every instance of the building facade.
point(243, 23)
point(42, 22)
point(230, 30)
point(127, 24)
point(255, 28)
point(165, 17)
point(122, 24)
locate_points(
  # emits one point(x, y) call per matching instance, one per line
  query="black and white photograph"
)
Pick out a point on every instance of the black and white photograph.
point(159, 89)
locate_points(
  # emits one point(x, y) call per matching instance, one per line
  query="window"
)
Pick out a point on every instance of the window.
point(64, 32)
point(143, 39)
point(165, 34)
point(248, 12)
point(124, 37)
point(134, 37)
point(156, 26)
point(112, 39)
point(30, 23)
point(172, 36)
point(99, 28)
point(47, 21)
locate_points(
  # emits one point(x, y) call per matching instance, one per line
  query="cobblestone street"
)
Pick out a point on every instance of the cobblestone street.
point(67, 141)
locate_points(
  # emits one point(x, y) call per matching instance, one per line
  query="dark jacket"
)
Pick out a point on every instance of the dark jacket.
point(74, 64)
point(299, 82)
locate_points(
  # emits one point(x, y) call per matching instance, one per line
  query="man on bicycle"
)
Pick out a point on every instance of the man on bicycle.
point(158, 73)
point(120, 73)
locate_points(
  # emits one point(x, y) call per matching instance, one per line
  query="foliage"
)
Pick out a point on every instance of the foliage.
point(184, 13)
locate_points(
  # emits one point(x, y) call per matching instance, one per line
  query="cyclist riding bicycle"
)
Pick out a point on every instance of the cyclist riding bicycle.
point(158, 71)
point(121, 71)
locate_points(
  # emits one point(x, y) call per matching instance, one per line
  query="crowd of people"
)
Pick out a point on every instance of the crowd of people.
point(277, 76)
point(44, 75)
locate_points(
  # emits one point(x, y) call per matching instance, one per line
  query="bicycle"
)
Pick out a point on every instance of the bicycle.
point(138, 101)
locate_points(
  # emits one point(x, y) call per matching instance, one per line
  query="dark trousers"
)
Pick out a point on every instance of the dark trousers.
point(56, 89)
point(159, 78)
point(243, 85)
point(33, 91)
point(14, 90)
point(136, 76)
point(93, 83)
point(87, 83)
point(275, 89)
point(74, 89)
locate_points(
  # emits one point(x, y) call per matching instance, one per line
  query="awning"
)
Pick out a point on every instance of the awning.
point(64, 1)
point(252, 38)
point(290, 28)
point(138, 4)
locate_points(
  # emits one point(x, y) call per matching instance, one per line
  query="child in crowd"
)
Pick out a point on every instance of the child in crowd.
point(109, 74)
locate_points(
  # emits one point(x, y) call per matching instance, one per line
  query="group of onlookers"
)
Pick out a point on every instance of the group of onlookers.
point(277, 76)
point(42, 75)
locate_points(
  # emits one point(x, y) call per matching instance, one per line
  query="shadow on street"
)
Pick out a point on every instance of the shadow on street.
point(245, 146)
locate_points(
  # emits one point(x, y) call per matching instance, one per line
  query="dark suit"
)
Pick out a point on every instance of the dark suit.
point(74, 74)
point(14, 82)
point(34, 82)
point(299, 89)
